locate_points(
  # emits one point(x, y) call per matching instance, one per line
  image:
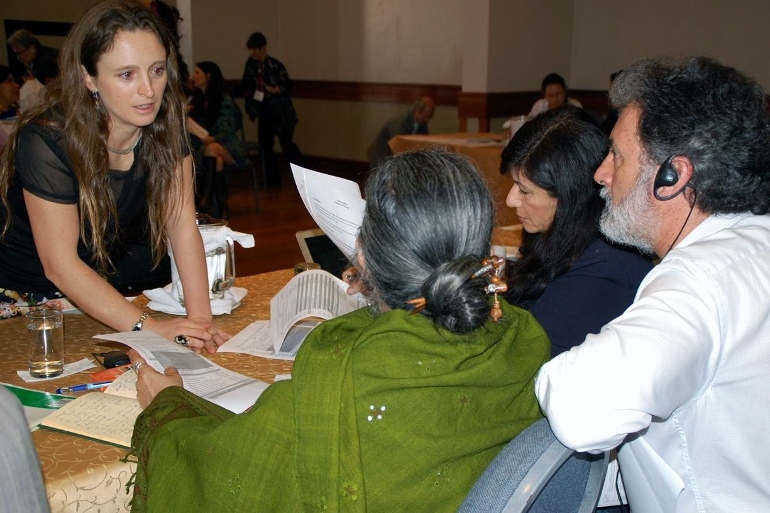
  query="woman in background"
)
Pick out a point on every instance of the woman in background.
point(398, 409)
point(567, 275)
point(9, 94)
point(99, 169)
point(221, 146)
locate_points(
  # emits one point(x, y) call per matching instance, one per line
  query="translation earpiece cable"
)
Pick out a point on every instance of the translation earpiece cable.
point(692, 207)
point(623, 506)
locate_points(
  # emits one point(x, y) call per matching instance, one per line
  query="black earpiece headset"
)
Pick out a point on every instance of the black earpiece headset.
point(667, 176)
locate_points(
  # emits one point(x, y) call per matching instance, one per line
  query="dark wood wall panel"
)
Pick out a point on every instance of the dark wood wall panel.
point(484, 106)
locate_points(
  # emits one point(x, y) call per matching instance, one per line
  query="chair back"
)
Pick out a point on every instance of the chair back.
point(536, 473)
point(21, 482)
point(253, 150)
point(238, 118)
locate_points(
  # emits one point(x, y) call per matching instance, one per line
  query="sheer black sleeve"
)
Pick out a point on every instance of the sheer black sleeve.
point(42, 166)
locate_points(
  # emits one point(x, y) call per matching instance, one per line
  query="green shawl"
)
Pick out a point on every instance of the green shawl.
point(382, 414)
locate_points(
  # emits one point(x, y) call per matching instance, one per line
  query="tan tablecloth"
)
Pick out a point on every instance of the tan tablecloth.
point(87, 476)
point(484, 149)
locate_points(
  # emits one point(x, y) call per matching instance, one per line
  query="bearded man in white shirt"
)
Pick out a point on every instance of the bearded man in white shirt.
point(681, 378)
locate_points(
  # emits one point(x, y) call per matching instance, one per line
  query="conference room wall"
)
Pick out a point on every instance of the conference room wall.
point(425, 42)
point(610, 34)
point(398, 41)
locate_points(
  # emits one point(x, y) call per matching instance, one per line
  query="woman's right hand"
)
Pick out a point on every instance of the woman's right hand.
point(150, 382)
point(201, 335)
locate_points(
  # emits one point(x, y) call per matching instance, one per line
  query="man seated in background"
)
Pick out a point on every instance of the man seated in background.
point(414, 121)
point(30, 53)
point(555, 93)
point(681, 377)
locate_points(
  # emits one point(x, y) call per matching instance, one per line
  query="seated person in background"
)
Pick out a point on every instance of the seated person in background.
point(396, 407)
point(414, 121)
point(29, 54)
point(567, 275)
point(96, 181)
point(222, 147)
point(32, 89)
point(681, 378)
point(555, 93)
point(9, 94)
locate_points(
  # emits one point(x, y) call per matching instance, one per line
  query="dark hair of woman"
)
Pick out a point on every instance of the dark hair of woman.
point(4, 72)
point(558, 151)
point(215, 90)
point(427, 227)
point(70, 107)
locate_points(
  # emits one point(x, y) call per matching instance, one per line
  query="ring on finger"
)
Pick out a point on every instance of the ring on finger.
point(182, 340)
point(136, 366)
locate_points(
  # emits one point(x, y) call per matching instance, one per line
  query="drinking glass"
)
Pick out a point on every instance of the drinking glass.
point(45, 343)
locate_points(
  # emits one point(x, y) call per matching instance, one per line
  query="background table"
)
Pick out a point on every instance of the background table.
point(87, 476)
point(484, 149)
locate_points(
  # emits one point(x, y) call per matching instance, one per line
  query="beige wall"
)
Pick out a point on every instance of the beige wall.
point(610, 34)
point(482, 45)
point(391, 41)
point(529, 39)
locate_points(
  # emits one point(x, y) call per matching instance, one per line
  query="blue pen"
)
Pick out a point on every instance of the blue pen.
point(83, 388)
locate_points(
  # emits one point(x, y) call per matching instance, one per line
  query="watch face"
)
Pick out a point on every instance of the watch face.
point(140, 323)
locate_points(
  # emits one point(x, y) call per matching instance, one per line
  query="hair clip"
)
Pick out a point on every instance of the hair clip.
point(418, 304)
point(489, 265)
point(493, 267)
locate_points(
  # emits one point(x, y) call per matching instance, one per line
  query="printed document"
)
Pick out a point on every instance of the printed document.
point(335, 204)
point(300, 306)
point(110, 416)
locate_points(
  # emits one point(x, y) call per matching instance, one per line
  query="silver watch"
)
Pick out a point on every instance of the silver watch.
point(140, 323)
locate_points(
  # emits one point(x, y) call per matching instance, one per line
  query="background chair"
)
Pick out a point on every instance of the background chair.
point(21, 483)
point(253, 150)
point(536, 473)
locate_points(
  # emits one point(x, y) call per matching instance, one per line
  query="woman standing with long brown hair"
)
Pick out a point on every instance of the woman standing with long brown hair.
point(101, 166)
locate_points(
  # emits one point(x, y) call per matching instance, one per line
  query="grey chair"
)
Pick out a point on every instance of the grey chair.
point(21, 482)
point(536, 473)
point(253, 150)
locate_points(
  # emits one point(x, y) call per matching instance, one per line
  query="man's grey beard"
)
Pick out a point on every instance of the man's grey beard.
point(630, 222)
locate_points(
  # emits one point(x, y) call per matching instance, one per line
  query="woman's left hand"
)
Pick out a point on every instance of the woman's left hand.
point(150, 382)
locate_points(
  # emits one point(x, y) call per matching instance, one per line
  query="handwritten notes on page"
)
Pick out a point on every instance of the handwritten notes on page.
point(97, 415)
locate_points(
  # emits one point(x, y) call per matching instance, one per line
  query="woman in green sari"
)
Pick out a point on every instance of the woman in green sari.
point(398, 407)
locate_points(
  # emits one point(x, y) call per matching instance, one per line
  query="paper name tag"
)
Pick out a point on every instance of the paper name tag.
point(259, 96)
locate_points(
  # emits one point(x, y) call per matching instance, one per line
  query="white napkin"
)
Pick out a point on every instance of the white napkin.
point(162, 300)
point(166, 299)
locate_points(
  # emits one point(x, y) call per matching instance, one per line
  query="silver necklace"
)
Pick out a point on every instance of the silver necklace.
point(127, 150)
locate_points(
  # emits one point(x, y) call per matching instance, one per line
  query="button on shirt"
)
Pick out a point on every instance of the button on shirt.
point(688, 363)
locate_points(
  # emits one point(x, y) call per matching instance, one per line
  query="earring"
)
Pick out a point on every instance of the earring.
point(96, 95)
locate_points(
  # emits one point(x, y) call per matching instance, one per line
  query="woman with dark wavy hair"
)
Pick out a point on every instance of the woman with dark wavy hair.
point(399, 407)
point(98, 171)
point(567, 275)
point(215, 111)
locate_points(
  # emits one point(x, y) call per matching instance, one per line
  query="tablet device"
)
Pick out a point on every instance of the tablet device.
point(317, 247)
